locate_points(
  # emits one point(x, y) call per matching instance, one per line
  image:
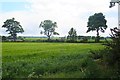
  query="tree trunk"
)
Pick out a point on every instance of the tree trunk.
point(48, 38)
point(14, 37)
point(48, 34)
point(97, 38)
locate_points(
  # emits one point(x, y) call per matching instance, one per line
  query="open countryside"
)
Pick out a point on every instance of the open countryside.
point(44, 60)
point(59, 39)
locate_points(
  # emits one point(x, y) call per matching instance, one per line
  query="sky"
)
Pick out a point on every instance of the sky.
point(67, 14)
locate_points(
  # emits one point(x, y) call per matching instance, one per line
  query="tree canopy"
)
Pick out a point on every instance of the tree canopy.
point(97, 22)
point(48, 28)
point(72, 35)
point(13, 27)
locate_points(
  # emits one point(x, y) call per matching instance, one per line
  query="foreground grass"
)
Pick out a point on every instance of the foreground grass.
point(46, 60)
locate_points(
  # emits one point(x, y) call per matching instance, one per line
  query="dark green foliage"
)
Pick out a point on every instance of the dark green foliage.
point(48, 28)
point(72, 35)
point(93, 37)
point(13, 27)
point(97, 22)
point(113, 58)
point(110, 56)
point(84, 39)
point(114, 46)
point(4, 38)
point(80, 37)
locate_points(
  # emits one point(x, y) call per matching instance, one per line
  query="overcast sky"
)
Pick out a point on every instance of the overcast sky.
point(67, 14)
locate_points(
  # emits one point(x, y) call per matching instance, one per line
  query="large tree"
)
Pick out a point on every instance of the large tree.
point(48, 28)
point(97, 22)
point(13, 27)
point(72, 35)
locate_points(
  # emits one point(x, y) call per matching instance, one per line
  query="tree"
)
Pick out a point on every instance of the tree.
point(97, 22)
point(4, 38)
point(72, 35)
point(13, 27)
point(48, 28)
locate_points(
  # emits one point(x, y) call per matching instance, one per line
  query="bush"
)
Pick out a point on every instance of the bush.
point(114, 46)
point(84, 39)
point(110, 56)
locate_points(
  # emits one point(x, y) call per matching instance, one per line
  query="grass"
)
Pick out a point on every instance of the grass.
point(34, 39)
point(45, 60)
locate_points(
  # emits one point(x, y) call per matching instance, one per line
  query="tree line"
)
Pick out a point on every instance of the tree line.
point(96, 22)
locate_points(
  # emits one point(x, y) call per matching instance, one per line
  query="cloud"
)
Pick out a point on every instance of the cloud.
point(12, 0)
point(67, 14)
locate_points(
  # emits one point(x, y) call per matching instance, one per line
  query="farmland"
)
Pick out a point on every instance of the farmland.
point(47, 60)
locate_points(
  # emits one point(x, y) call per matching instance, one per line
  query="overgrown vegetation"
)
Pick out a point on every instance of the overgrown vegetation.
point(110, 56)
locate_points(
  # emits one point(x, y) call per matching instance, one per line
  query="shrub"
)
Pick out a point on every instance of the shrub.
point(114, 45)
point(111, 54)
point(84, 39)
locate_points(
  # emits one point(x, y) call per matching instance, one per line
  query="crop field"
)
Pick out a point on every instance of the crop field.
point(47, 60)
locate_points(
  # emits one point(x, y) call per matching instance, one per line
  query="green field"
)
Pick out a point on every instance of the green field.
point(46, 60)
